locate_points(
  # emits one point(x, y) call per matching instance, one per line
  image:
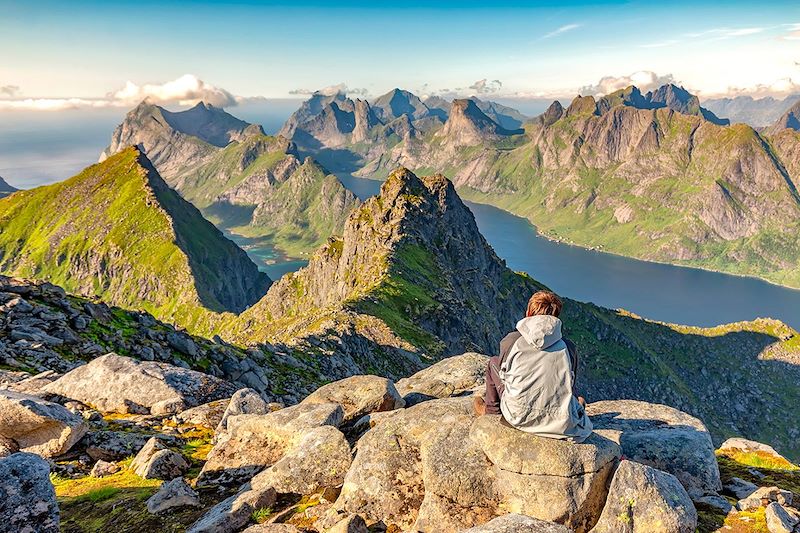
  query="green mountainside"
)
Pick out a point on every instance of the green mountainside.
point(652, 176)
point(117, 231)
point(245, 182)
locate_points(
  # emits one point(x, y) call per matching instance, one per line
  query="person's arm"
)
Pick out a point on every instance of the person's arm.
point(494, 387)
point(573, 356)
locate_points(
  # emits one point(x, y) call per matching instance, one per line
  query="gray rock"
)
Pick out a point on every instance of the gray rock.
point(27, 498)
point(717, 502)
point(642, 499)
point(550, 479)
point(207, 415)
point(232, 514)
point(762, 496)
point(156, 461)
point(358, 396)
point(175, 493)
point(517, 523)
point(243, 402)
point(113, 445)
point(253, 442)
point(104, 468)
point(39, 426)
point(113, 383)
point(739, 488)
point(351, 524)
point(7, 447)
point(661, 437)
point(738, 443)
point(182, 343)
point(779, 520)
point(320, 459)
point(449, 377)
point(33, 384)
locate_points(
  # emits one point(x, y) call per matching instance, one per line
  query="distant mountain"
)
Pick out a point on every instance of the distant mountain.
point(645, 175)
point(758, 113)
point(236, 175)
point(506, 117)
point(467, 125)
point(5, 188)
point(789, 120)
point(669, 96)
point(397, 103)
point(118, 231)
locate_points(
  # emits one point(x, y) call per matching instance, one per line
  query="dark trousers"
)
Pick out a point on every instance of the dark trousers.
point(494, 387)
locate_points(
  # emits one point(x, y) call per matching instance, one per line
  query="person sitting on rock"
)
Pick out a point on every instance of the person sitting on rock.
point(532, 382)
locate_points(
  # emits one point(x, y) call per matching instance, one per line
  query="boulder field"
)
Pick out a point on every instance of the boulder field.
point(360, 454)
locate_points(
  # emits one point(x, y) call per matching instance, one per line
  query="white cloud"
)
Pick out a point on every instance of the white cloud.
point(186, 90)
point(645, 80)
point(558, 31)
point(485, 86)
point(9, 90)
point(332, 90)
point(778, 89)
point(794, 33)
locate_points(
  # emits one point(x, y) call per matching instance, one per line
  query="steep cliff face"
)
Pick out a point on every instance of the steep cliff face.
point(467, 125)
point(789, 120)
point(118, 231)
point(406, 260)
point(176, 141)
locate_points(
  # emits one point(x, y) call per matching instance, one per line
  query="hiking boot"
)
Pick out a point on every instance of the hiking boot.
point(479, 406)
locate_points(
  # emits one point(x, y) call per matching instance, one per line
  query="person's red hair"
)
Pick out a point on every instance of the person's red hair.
point(544, 303)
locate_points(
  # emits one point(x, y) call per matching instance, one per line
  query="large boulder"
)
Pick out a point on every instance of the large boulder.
point(550, 479)
point(207, 415)
point(27, 498)
point(253, 442)
point(156, 461)
point(642, 499)
point(232, 514)
point(358, 396)
point(661, 437)
point(385, 481)
point(517, 523)
point(779, 520)
point(114, 383)
point(243, 402)
point(320, 459)
point(449, 377)
point(39, 426)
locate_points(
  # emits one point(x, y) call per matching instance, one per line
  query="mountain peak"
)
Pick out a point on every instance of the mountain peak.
point(399, 102)
point(789, 120)
point(467, 125)
point(5, 188)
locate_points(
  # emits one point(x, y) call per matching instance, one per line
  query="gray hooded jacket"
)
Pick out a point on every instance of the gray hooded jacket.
point(537, 379)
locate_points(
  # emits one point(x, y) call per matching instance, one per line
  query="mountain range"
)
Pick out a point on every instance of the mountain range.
point(5, 188)
point(244, 181)
point(757, 112)
point(655, 176)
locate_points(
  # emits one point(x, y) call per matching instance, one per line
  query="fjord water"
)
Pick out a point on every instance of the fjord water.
point(659, 292)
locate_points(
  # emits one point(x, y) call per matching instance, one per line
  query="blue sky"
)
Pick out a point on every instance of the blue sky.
point(88, 50)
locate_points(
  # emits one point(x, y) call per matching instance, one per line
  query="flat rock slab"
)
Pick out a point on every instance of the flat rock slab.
point(234, 513)
point(116, 384)
point(662, 437)
point(175, 493)
point(517, 523)
point(27, 497)
point(253, 442)
point(642, 499)
point(449, 377)
point(38, 426)
point(358, 396)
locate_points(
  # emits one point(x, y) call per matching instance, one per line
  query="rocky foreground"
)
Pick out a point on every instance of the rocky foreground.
point(119, 444)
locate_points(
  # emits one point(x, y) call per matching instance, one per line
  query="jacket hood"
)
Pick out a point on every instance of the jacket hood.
point(541, 331)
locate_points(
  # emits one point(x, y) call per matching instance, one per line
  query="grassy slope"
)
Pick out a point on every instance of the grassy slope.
point(102, 233)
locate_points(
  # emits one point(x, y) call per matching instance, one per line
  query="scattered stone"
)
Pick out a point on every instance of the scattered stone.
point(550, 479)
point(642, 499)
point(27, 497)
point(661, 437)
point(762, 496)
point(739, 488)
point(320, 459)
point(114, 383)
point(517, 523)
point(243, 402)
point(779, 520)
point(232, 514)
point(104, 468)
point(38, 426)
point(717, 502)
point(272, 528)
point(351, 524)
point(175, 493)
point(358, 396)
point(254, 442)
point(449, 377)
point(33, 384)
point(156, 461)
point(109, 445)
